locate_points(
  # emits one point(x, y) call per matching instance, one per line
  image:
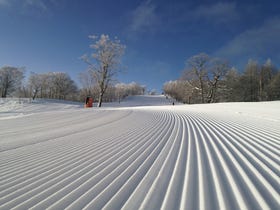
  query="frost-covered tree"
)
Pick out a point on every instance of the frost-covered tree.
point(35, 84)
point(64, 87)
point(134, 88)
point(197, 73)
point(121, 91)
point(104, 62)
point(88, 82)
point(54, 85)
point(204, 77)
point(10, 79)
point(180, 90)
point(213, 80)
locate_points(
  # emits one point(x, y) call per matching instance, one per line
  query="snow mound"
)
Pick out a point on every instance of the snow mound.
point(21, 107)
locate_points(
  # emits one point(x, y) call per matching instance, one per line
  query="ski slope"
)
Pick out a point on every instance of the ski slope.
point(55, 155)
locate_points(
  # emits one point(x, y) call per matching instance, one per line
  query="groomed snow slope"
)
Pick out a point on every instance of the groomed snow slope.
point(217, 156)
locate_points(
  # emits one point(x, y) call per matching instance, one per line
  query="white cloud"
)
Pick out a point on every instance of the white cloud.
point(221, 12)
point(144, 18)
point(257, 43)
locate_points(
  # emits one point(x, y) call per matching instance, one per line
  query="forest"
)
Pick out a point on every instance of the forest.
point(210, 80)
point(58, 85)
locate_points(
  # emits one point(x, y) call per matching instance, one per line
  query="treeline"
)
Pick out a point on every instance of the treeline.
point(59, 85)
point(52, 85)
point(210, 80)
point(115, 92)
point(204, 80)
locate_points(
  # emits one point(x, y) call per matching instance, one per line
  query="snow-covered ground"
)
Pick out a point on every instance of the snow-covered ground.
point(126, 156)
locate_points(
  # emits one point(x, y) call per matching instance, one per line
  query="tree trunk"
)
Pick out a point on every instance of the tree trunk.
point(211, 95)
point(4, 93)
point(100, 99)
point(202, 89)
point(261, 88)
point(34, 95)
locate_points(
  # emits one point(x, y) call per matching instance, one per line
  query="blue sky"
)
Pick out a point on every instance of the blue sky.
point(160, 35)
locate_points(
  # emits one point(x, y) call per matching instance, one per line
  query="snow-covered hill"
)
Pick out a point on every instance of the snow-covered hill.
point(208, 156)
point(144, 100)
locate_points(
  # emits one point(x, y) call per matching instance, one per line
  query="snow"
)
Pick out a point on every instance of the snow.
point(143, 153)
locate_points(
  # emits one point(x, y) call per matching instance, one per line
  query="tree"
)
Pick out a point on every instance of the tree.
point(10, 79)
point(180, 90)
point(134, 88)
point(232, 90)
point(267, 72)
point(121, 91)
point(274, 87)
point(35, 83)
point(197, 73)
point(218, 70)
point(204, 74)
point(107, 54)
point(212, 80)
point(64, 87)
point(54, 85)
point(249, 81)
point(87, 81)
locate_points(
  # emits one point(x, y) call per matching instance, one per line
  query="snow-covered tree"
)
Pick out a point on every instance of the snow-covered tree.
point(204, 74)
point(180, 90)
point(106, 58)
point(55, 85)
point(197, 73)
point(10, 79)
point(64, 87)
point(121, 91)
point(88, 82)
point(134, 88)
point(35, 84)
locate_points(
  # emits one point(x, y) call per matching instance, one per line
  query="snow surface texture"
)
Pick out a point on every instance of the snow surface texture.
point(62, 156)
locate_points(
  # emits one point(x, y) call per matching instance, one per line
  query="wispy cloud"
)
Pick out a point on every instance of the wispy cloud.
point(31, 7)
point(144, 18)
point(255, 43)
point(221, 12)
point(4, 2)
point(38, 4)
point(149, 17)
